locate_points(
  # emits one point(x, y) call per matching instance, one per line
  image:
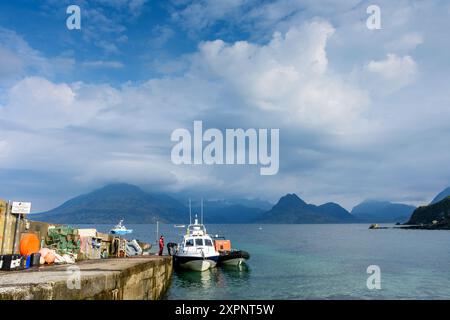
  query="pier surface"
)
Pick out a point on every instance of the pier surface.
point(137, 278)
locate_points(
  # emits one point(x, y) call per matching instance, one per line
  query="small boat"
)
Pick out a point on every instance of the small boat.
point(120, 229)
point(196, 251)
point(229, 256)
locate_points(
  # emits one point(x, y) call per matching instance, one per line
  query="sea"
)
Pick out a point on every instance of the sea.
point(306, 261)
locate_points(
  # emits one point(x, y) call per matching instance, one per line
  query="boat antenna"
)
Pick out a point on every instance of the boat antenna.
point(190, 212)
point(201, 211)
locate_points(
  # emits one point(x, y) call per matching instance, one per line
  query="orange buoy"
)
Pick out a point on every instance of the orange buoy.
point(49, 258)
point(29, 244)
point(44, 252)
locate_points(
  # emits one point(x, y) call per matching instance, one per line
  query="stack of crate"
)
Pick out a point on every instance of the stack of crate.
point(63, 239)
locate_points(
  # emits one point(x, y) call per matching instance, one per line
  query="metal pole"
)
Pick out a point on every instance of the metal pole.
point(4, 227)
point(157, 232)
point(16, 233)
point(201, 211)
point(190, 212)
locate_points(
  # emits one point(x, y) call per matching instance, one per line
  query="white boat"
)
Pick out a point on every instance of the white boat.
point(120, 229)
point(196, 251)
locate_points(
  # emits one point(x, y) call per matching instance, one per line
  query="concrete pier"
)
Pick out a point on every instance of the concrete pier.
point(137, 278)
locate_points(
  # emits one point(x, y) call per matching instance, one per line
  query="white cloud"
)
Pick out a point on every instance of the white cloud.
point(406, 42)
point(160, 35)
point(103, 64)
point(341, 139)
point(399, 71)
point(17, 59)
point(289, 74)
point(98, 133)
point(200, 14)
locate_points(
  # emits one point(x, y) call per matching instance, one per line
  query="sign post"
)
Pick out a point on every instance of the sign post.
point(19, 208)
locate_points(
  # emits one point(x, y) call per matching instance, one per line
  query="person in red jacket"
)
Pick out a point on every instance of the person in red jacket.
point(161, 245)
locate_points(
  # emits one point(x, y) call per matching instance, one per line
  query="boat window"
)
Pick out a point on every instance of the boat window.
point(198, 242)
point(190, 243)
point(208, 243)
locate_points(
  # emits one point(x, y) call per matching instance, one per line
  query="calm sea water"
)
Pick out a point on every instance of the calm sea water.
point(317, 262)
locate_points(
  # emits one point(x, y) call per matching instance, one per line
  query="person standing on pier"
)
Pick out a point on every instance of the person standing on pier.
point(161, 245)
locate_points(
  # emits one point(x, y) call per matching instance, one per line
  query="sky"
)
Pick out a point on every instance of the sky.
point(362, 114)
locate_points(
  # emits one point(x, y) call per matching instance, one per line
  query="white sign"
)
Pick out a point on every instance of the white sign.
point(21, 207)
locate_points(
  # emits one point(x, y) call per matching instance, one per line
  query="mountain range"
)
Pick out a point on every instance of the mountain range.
point(292, 209)
point(129, 202)
point(376, 211)
point(114, 202)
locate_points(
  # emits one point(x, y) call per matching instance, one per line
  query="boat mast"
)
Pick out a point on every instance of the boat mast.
point(190, 212)
point(201, 212)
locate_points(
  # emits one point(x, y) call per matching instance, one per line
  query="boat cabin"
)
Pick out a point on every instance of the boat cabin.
point(196, 238)
point(198, 242)
point(196, 229)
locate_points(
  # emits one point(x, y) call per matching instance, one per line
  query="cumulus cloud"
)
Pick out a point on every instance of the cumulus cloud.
point(287, 75)
point(406, 42)
point(398, 71)
point(96, 132)
point(341, 140)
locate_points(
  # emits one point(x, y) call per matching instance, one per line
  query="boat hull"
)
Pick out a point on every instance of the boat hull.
point(196, 263)
point(233, 262)
point(233, 258)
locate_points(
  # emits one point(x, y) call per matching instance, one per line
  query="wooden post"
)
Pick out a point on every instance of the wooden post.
point(5, 229)
point(16, 235)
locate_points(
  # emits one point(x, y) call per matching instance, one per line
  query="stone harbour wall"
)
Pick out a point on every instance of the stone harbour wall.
point(137, 278)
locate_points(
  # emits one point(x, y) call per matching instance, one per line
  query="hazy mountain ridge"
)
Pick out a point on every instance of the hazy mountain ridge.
point(117, 201)
point(129, 202)
point(291, 209)
point(376, 211)
point(114, 202)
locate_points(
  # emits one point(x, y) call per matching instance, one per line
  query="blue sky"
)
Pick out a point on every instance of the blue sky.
point(362, 113)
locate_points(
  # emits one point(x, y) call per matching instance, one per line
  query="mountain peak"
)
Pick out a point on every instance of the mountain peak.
point(120, 186)
point(114, 202)
point(291, 209)
point(291, 199)
point(441, 196)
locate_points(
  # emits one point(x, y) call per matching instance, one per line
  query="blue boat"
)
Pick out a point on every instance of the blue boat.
point(120, 229)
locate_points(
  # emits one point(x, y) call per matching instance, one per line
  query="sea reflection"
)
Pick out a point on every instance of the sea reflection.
point(219, 277)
